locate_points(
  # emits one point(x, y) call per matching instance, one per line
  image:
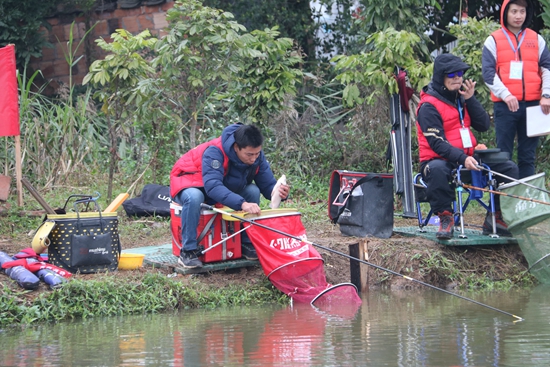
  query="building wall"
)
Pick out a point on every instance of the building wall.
point(53, 64)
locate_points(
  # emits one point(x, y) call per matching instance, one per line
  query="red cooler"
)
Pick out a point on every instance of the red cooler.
point(213, 232)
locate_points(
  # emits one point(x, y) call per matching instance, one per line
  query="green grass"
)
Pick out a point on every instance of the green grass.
point(112, 295)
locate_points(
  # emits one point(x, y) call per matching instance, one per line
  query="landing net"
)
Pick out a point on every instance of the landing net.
point(529, 222)
point(294, 266)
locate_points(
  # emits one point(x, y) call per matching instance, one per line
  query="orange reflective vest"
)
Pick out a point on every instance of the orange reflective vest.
point(529, 87)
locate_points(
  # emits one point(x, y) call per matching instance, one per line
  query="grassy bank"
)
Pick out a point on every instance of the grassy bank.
point(150, 290)
point(139, 294)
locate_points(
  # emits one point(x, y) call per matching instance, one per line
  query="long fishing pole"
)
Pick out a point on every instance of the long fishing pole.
point(513, 179)
point(504, 194)
point(209, 207)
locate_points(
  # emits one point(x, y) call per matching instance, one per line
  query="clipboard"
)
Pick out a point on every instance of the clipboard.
point(538, 123)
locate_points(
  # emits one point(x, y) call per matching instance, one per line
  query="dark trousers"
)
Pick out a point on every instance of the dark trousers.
point(508, 125)
point(437, 174)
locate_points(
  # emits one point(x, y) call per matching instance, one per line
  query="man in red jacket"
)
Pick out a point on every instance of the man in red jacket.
point(231, 170)
point(446, 113)
point(516, 68)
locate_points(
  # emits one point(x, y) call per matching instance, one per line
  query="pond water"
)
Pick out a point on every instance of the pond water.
point(410, 328)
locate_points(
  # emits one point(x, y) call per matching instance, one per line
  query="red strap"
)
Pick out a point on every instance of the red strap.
point(405, 92)
point(14, 263)
point(34, 266)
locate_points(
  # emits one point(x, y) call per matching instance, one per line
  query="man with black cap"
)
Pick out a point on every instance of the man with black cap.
point(516, 68)
point(446, 113)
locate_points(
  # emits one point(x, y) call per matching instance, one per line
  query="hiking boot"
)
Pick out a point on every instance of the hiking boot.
point(502, 227)
point(190, 259)
point(446, 226)
point(248, 251)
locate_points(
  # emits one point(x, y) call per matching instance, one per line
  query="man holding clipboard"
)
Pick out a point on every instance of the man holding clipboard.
point(516, 68)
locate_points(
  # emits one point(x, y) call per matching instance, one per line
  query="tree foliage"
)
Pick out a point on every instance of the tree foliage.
point(196, 58)
point(115, 78)
point(356, 21)
point(389, 49)
point(406, 15)
point(292, 17)
point(267, 77)
point(207, 56)
point(20, 23)
point(471, 36)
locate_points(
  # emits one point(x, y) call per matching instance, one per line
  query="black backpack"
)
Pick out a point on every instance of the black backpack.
point(154, 201)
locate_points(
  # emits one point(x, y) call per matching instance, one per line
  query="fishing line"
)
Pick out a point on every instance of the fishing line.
point(504, 194)
point(209, 207)
point(513, 179)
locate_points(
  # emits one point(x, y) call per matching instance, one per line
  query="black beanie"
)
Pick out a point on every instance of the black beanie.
point(445, 64)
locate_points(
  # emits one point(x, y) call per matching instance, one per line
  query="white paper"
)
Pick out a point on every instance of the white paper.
point(537, 122)
point(275, 196)
point(516, 70)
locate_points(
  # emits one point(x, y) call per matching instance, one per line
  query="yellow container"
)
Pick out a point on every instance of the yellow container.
point(128, 261)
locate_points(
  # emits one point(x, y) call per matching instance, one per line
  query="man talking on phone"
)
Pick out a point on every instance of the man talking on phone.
point(447, 111)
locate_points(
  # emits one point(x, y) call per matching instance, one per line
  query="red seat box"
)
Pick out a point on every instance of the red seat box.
point(217, 229)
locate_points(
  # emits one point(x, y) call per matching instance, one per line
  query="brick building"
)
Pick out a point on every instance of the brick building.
point(133, 17)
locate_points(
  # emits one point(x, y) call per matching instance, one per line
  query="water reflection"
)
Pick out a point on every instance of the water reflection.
point(425, 328)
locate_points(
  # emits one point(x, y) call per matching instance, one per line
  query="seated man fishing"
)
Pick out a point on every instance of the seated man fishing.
point(231, 170)
point(446, 113)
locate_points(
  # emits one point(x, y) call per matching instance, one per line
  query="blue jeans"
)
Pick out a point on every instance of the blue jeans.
point(509, 124)
point(191, 199)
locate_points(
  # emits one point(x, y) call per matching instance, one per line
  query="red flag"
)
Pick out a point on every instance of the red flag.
point(9, 98)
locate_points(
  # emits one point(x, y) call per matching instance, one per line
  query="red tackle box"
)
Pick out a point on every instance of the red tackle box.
point(216, 232)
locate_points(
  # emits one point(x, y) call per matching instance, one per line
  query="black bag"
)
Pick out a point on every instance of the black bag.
point(84, 241)
point(154, 201)
point(362, 203)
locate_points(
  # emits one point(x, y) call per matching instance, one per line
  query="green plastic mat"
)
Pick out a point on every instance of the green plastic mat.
point(162, 257)
point(473, 237)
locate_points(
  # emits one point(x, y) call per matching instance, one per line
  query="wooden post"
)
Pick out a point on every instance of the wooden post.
point(18, 170)
point(359, 274)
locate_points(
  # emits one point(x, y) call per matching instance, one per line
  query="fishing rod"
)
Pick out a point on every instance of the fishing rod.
point(504, 194)
point(513, 179)
point(209, 207)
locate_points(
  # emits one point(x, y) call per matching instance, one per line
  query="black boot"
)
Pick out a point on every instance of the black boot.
point(190, 259)
point(248, 251)
point(446, 225)
point(502, 227)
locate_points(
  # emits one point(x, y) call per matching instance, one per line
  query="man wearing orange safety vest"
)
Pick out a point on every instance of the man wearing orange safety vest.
point(516, 68)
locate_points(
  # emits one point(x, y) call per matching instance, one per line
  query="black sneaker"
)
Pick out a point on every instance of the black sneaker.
point(248, 251)
point(189, 259)
point(446, 226)
point(502, 227)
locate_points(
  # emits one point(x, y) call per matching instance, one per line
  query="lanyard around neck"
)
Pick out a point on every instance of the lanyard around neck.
point(460, 112)
point(511, 44)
